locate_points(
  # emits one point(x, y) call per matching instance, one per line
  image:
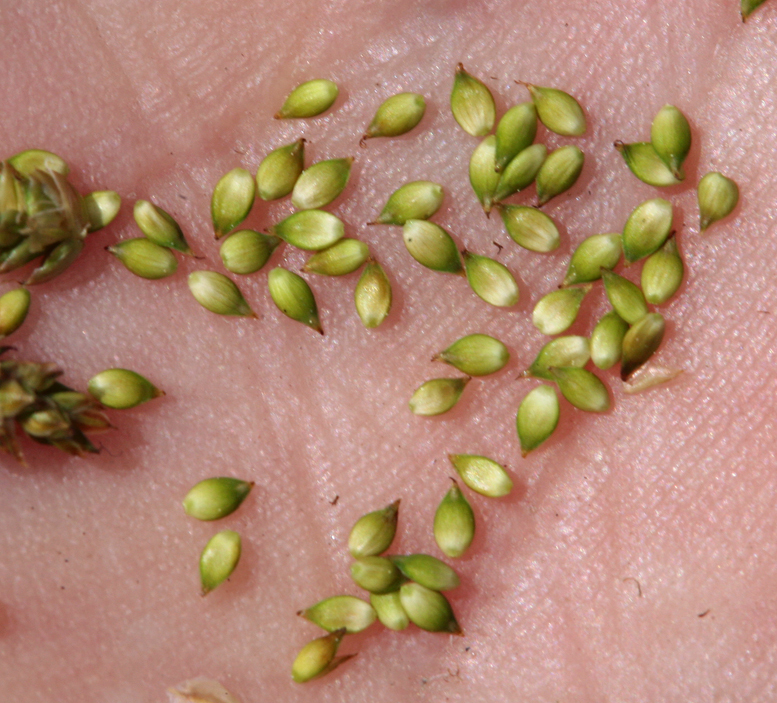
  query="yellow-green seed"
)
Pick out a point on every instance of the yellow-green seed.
point(571, 350)
point(558, 111)
point(321, 183)
point(747, 7)
point(472, 104)
point(389, 608)
point(662, 273)
point(454, 523)
point(475, 355)
point(646, 377)
point(372, 296)
point(309, 99)
point(641, 342)
point(349, 612)
point(555, 312)
point(232, 200)
point(530, 228)
point(482, 172)
point(490, 280)
point(279, 170)
point(312, 230)
point(437, 396)
point(428, 609)
point(215, 292)
point(670, 135)
point(646, 164)
point(14, 306)
point(600, 251)
point(559, 172)
point(625, 297)
point(30, 160)
point(45, 424)
point(417, 200)
point(537, 417)
point(159, 226)
point(718, 196)
point(122, 388)
point(397, 115)
point(144, 258)
point(431, 246)
point(515, 132)
point(102, 206)
point(607, 340)
point(427, 570)
point(647, 228)
point(219, 559)
point(340, 259)
point(482, 475)
point(56, 261)
point(582, 389)
point(521, 171)
point(293, 297)
point(376, 574)
point(215, 498)
point(317, 658)
point(247, 251)
point(374, 532)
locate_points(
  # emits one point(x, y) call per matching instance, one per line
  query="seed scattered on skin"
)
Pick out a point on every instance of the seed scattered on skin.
point(340, 259)
point(472, 104)
point(233, 198)
point(279, 170)
point(558, 110)
point(559, 172)
point(530, 228)
point(122, 389)
point(482, 172)
point(482, 475)
point(475, 355)
point(374, 532)
point(491, 281)
point(647, 228)
point(349, 612)
point(389, 608)
point(376, 574)
point(607, 340)
point(747, 7)
point(309, 99)
point(159, 227)
point(372, 296)
point(537, 417)
point(293, 297)
point(625, 297)
point(582, 389)
point(56, 261)
point(321, 183)
point(718, 196)
point(318, 657)
point(417, 200)
point(662, 273)
point(200, 690)
point(431, 246)
point(521, 171)
point(397, 115)
point(14, 306)
point(428, 609)
point(670, 135)
point(219, 559)
point(649, 376)
point(247, 251)
point(454, 523)
point(30, 160)
point(515, 132)
point(215, 292)
point(215, 498)
point(311, 230)
point(641, 342)
point(437, 396)
point(571, 350)
point(556, 311)
point(600, 251)
point(102, 206)
point(427, 570)
point(646, 164)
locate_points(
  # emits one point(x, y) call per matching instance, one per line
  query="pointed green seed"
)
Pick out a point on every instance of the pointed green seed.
point(309, 99)
point(475, 355)
point(646, 164)
point(515, 132)
point(559, 172)
point(14, 306)
point(372, 296)
point(317, 658)
point(718, 196)
point(374, 532)
point(428, 609)
point(293, 297)
point(247, 251)
point(349, 612)
point(321, 183)
point(530, 228)
point(232, 200)
point(482, 172)
point(219, 559)
point(521, 171)
point(555, 312)
point(431, 246)
point(376, 574)
point(312, 230)
point(472, 104)
point(607, 340)
point(217, 293)
point(482, 475)
point(397, 115)
point(122, 388)
point(56, 261)
point(490, 280)
point(670, 135)
point(30, 160)
point(747, 7)
point(102, 206)
point(417, 200)
point(340, 259)
point(279, 170)
point(144, 258)
point(647, 229)
point(537, 417)
point(582, 389)
point(437, 396)
point(625, 297)
point(558, 111)
point(571, 350)
point(641, 342)
point(389, 608)
point(427, 570)
point(159, 227)
point(600, 251)
point(215, 498)
point(662, 273)
point(454, 523)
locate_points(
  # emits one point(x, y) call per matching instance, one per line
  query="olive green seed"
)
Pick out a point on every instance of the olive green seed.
point(607, 340)
point(312, 230)
point(247, 251)
point(670, 135)
point(482, 172)
point(437, 396)
point(428, 609)
point(376, 574)
point(122, 388)
point(662, 273)
point(45, 424)
point(646, 377)
point(582, 389)
point(482, 475)
point(374, 532)
point(454, 523)
point(18, 256)
point(559, 172)
point(144, 258)
point(215, 498)
point(219, 559)
point(397, 115)
point(159, 226)
point(14, 306)
point(491, 281)
point(718, 196)
point(472, 104)
point(475, 355)
point(417, 200)
point(372, 296)
point(279, 170)
point(515, 132)
point(537, 417)
point(646, 164)
point(389, 608)
point(641, 342)
point(556, 311)
point(521, 171)
point(625, 297)
point(571, 350)
point(600, 251)
point(31, 160)
point(56, 261)
point(349, 612)
point(217, 293)
point(558, 110)
point(747, 7)
point(293, 297)
point(647, 228)
point(102, 206)
point(427, 570)
point(318, 657)
point(431, 246)
point(232, 200)
point(530, 228)
point(321, 183)
point(341, 258)
point(309, 99)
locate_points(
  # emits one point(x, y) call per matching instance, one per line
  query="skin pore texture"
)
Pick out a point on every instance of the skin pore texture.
point(634, 560)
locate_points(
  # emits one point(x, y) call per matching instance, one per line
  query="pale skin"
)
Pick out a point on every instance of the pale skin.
point(633, 560)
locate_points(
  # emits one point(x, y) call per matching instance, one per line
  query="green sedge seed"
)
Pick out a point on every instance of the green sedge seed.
point(558, 111)
point(482, 172)
point(537, 417)
point(431, 246)
point(718, 196)
point(662, 273)
point(312, 230)
point(122, 388)
point(530, 228)
point(340, 259)
point(372, 295)
point(646, 164)
point(475, 355)
point(641, 342)
point(625, 297)
point(215, 498)
point(747, 7)
point(219, 559)
point(515, 132)
point(247, 251)
point(144, 258)
point(607, 340)
point(321, 183)
point(482, 475)
point(14, 306)
point(317, 658)
point(601, 251)
point(102, 206)
point(647, 377)
point(309, 99)
point(374, 532)
point(559, 172)
point(647, 228)
point(349, 612)
point(582, 389)
point(397, 115)
point(454, 523)
point(17, 257)
point(293, 297)
point(376, 574)
point(389, 608)
point(472, 104)
point(490, 280)
point(31, 160)
point(437, 396)
point(45, 424)
point(159, 227)
point(670, 135)
point(215, 292)
point(427, 570)
point(521, 171)
point(279, 170)
point(555, 312)
point(64, 254)
point(428, 609)
point(571, 350)
point(417, 200)
point(232, 200)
